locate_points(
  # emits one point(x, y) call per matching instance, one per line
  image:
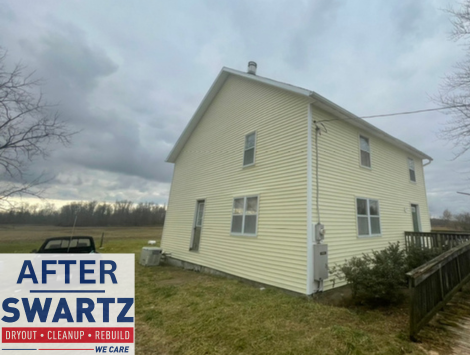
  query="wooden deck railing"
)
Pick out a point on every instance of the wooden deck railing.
point(441, 241)
point(433, 284)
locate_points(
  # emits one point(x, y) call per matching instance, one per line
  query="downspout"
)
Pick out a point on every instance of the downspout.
point(309, 288)
point(424, 186)
point(318, 283)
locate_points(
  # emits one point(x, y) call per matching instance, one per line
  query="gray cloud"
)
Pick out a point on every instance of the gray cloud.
point(109, 140)
point(6, 13)
point(311, 25)
point(131, 79)
point(72, 62)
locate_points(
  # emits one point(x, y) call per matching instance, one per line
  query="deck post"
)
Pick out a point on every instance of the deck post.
point(460, 273)
point(412, 313)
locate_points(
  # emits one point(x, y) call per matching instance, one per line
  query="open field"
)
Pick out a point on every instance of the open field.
point(183, 312)
point(39, 233)
point(29, 237)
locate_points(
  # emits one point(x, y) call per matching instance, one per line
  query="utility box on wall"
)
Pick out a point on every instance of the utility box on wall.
point(320, 262)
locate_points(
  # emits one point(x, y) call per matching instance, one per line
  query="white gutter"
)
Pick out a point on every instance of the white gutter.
point(429, 162)
point(309, 288)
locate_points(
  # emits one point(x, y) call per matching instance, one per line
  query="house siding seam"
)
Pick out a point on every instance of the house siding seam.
point(210, 167)
point(342, 179)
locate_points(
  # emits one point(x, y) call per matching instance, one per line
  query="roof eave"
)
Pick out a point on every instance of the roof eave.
point(351, 118)
point(213, 90)
point(317, 100)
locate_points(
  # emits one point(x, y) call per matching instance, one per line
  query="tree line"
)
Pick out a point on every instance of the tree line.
point(87, 214)
point(457, 222)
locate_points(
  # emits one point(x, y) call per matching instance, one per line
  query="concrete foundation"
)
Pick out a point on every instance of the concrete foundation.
point(207, 270)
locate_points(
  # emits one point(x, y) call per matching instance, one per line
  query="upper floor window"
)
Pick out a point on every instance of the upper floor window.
point(411, 169)
point(249, 154)
point(368, 217)
point(365, 151)
point(245, 215)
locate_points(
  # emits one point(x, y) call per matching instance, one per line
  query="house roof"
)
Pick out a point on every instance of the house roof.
point(316, 100)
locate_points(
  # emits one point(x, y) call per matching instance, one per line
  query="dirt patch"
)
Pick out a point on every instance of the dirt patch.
point(339, 297)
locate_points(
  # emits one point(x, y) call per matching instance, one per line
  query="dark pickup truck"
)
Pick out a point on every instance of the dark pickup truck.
point(75, 245)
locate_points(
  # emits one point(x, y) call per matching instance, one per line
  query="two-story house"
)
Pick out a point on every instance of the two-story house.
point(249, 184)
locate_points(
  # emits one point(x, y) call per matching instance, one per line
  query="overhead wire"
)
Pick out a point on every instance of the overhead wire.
point(401, 113)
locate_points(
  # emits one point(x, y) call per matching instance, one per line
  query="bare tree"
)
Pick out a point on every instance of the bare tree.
point(447, 215)
point(454, 93)
point(28, 127)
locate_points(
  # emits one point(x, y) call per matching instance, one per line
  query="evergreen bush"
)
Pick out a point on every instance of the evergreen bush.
point(376, 278)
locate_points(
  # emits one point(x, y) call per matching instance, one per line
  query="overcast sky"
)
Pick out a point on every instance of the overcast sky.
point(130, 74)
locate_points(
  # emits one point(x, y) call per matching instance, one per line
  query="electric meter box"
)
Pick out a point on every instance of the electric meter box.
point(150, 256)
point(319, 232)
point(320, 262)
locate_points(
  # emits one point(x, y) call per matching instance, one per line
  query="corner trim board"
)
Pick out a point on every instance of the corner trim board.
point(309, 286)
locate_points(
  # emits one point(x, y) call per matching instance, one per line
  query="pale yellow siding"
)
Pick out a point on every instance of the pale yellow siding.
point(210, 168)
point(342, 179)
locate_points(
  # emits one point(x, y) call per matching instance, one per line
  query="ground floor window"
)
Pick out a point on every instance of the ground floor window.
point(245, 215)
point(368, 217)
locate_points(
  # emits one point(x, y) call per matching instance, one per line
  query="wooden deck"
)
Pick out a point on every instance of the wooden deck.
point(454, 318)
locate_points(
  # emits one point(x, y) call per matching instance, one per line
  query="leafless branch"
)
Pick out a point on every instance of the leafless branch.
point(28, 127)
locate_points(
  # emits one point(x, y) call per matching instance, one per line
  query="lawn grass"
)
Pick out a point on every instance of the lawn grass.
point(183, 312)
point(17, 233)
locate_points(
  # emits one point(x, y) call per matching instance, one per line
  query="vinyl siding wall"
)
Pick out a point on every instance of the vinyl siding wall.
point(342, 179)
point(210, 168)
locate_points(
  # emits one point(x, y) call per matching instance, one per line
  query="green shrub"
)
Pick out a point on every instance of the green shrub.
point(375, 278)
point(378, 278)
point(416, 256)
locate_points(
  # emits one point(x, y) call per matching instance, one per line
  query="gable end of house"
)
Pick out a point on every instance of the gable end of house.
point(316, 99)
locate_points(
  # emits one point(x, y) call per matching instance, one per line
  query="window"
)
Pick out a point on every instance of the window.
point(249, 154)
point(368, 217)
point(365, 151)
point(245, 215)
point(64, 243)
point(411, 169)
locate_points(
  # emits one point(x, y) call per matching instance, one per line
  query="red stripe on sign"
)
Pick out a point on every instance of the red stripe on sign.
point(67, 349)
point(67, 335)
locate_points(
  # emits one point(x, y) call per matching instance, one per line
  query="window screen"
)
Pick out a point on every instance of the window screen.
point(249, 153)
point(365, 152)
point(245, 215)
point(411, 169)
point(368, 217)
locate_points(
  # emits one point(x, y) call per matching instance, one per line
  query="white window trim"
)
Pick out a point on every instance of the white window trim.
point(254, 149)
point(418, 212)
point(414, 169)
point(360, 150)
point(368, 217)
point(243, 221)
point(194, 224)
